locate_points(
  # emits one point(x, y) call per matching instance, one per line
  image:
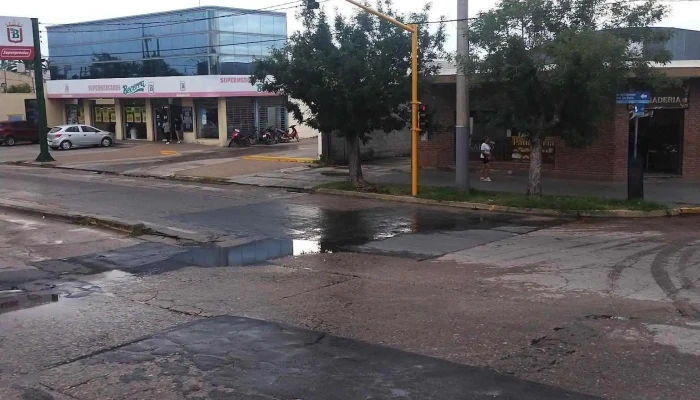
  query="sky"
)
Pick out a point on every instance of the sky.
point(67, 11)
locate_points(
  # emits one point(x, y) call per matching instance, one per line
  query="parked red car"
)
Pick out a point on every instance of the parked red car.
point(12, 132)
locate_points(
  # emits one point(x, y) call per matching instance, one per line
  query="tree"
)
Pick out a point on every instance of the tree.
point(20, 88)
point(353, 77)
point(553, 67)
point(105, 65)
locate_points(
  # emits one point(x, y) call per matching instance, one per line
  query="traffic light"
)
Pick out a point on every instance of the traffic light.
point(423, 118)
point(312, 5)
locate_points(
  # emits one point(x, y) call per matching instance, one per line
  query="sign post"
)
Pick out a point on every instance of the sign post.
point(635, 166)
point(20, 41)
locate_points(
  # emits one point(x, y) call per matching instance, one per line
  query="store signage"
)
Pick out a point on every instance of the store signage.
point(667, 99)
point(18, 41)
point(135, 88)
point(520, 149)
point(156, 87)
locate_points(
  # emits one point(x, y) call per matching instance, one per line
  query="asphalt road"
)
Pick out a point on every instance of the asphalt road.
point(606, 308)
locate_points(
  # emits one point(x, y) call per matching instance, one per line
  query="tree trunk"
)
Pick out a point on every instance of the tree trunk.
point(534, 182)
point(354, 161)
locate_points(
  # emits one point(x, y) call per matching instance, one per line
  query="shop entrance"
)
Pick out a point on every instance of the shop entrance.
point(167, 113)
point(660, 140)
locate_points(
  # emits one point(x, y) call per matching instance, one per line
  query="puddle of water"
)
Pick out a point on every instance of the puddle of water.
point(11, 302)
point(246, 254)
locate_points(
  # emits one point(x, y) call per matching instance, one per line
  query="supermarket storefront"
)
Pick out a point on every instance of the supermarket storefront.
point(206, 107)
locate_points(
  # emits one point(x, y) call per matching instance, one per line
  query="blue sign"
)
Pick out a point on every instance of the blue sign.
point(634, 98)
point(638, 111)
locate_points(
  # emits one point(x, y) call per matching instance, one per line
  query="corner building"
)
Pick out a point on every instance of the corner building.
point(129, 75)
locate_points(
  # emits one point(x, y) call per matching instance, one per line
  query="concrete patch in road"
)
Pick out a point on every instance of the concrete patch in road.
point(232, 357)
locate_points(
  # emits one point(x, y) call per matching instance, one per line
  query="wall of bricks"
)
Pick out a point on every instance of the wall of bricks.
point(604, 159)
point(437, 150)
point(691, 133)
point(381, 145)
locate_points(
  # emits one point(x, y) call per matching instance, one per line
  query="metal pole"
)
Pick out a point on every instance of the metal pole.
point(414, 88)
point(44, 155)
point(414, 111)
point(462, 131)
point(636, 134)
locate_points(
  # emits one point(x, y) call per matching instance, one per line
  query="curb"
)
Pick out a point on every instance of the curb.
point(302, 160)
point(515, 210)
point(173, 177)
point(129, 227)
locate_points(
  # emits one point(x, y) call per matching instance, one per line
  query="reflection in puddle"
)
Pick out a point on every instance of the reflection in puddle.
point(246, 254)
point(15, 301)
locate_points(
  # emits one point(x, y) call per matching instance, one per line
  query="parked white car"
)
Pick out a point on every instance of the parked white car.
point(65, 137)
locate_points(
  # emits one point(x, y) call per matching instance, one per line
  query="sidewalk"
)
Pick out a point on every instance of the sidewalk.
point(671, 191)
point(231, 165)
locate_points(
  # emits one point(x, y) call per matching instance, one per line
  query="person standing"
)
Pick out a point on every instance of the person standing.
point(177, 122)
point(166, 131)
point(486, 157)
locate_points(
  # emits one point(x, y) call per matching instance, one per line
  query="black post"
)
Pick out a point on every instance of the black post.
point(635, 167)
point(44, 155)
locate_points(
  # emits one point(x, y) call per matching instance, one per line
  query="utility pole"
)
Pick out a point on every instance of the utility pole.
point(44, 155)
point(462, 133)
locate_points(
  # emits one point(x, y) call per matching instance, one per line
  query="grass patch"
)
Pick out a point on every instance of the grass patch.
point(508, 199)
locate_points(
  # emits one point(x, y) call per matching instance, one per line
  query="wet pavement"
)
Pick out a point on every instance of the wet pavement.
point(602, 307)
point(239, 358)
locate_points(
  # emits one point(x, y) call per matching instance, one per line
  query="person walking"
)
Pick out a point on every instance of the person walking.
point(486, 157)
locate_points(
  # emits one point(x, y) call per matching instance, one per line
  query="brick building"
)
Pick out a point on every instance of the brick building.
point(669, 136)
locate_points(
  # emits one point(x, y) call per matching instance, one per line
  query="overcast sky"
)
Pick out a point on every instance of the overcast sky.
point(66, 11)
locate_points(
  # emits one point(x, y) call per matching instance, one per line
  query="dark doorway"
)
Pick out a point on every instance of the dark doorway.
point(660, 140)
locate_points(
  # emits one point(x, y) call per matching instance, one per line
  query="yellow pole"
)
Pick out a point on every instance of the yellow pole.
point(382, 16)
point(414, 117)
point(414, 89)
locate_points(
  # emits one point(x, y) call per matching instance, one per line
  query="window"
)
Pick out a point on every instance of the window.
point(225, 23)
point(88, 129)
point(72, 129)
point(55, 129)
point(280, 26)
point(207, 119)
point(253, 23)
point(267, 24)
point(240, 23)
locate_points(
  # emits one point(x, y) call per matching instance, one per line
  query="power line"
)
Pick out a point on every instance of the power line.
point(144, 24)
point(180, 48)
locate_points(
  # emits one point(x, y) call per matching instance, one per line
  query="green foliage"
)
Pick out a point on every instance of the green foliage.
point(508, 199)
point(353, 75)
point(553, 67)
point(20, 88)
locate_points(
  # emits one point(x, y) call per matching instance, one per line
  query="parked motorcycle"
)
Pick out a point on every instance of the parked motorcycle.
point(286, 136)
point(268, 137)
point(293, 134)
point(241, 139)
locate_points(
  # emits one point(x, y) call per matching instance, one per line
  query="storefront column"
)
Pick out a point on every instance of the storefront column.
point(119, 128)
point(87, 105)
point(150, 129)
point(223, 136)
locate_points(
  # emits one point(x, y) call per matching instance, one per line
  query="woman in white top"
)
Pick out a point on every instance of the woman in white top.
point(486, 158)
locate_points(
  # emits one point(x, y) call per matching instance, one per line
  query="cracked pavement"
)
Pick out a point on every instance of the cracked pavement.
point(605, 308)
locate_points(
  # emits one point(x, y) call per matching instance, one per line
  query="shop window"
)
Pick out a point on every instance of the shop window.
point(135, 119)
point(207, 119)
